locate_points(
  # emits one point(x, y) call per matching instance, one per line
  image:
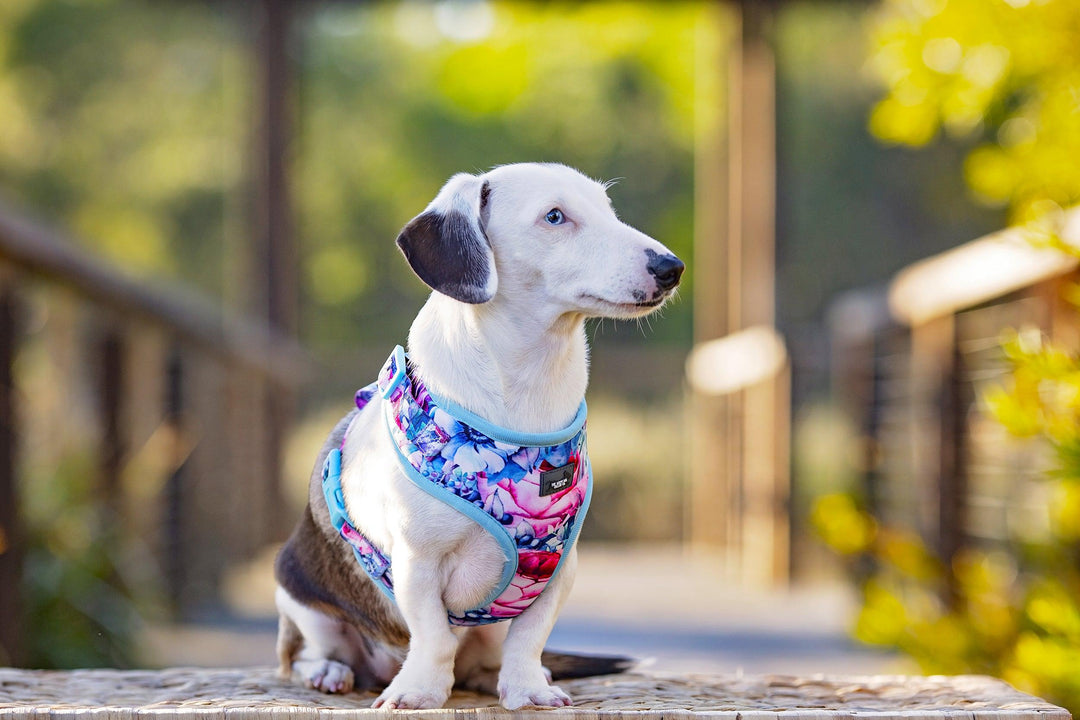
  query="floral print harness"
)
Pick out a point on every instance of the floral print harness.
point(529, 491)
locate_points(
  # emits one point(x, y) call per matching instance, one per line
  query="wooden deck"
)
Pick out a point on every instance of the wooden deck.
point(239, 694)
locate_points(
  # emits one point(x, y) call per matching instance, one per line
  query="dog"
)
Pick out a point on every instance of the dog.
point(517, 259)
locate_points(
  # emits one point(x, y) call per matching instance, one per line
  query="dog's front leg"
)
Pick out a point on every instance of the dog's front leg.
point(523, 679)
point(427, 675)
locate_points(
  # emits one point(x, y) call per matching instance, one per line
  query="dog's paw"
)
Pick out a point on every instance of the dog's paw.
point(417, 699)
point(329, 676)
point(514, 698)
point(408, 696)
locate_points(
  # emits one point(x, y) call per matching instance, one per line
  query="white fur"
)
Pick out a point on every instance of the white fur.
point(521, 361)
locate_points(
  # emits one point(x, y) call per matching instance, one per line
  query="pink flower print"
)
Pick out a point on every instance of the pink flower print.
point(537, 564)
point(397, 394)
point(358, 541)
point(522, 498)
point(518, 596)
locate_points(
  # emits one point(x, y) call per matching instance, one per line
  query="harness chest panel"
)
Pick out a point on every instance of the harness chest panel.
point(529, 491)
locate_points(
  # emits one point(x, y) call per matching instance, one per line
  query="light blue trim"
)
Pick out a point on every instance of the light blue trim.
point(378, 583)
point(493, 431)
point(466, 508)
point(387, 591)
point(513, 437)
point(335, 503)
point(579, 521)
point(399, 372)
point(331, 484)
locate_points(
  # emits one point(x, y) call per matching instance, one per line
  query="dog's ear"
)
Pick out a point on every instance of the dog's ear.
point(446, 245)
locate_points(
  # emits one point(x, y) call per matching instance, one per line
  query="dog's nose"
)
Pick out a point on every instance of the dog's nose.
point(667, 269)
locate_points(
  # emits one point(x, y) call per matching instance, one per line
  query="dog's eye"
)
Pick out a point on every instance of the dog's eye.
point(555, 217)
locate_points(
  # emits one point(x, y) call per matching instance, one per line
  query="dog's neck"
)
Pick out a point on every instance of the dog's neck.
point(509, 364)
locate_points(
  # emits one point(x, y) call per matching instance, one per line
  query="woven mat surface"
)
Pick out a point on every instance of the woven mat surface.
point(238, 694)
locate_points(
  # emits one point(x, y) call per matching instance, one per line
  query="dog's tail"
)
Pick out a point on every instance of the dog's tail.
point(566, 666)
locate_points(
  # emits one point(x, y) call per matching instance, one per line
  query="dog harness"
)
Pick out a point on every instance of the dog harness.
point(530, 491)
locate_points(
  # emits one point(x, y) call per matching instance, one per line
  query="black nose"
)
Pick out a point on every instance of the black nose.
point(667, 269)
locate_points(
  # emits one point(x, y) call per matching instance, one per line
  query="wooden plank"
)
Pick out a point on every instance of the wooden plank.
point(199, 694)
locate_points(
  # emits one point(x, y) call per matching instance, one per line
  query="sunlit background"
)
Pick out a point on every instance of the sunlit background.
point(857, 423)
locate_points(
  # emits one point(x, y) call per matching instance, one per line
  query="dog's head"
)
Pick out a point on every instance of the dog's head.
point(539, 231)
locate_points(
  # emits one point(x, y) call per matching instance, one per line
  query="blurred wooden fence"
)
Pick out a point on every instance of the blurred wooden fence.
point(187, 449)
point(909, 363)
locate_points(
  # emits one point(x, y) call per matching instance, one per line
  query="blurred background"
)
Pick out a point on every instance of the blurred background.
point(851, 445)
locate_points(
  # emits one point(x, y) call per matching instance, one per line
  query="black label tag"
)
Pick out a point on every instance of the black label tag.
point(557, 480)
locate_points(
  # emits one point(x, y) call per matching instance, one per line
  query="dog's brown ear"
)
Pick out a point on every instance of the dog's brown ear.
point(446, 245)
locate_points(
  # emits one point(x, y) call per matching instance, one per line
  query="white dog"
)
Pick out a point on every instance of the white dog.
point(518, 258)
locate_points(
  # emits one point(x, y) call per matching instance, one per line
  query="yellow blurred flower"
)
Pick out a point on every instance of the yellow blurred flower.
point(841, 524)
point(903, 550)
point(883, 619)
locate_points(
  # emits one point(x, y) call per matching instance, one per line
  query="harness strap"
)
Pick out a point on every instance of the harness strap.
point(373, 560)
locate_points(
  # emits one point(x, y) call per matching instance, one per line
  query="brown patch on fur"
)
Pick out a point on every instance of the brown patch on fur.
point(318, 569)
point(289, 643)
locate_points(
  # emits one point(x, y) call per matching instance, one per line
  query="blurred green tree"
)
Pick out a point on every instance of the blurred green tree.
point(125, 122)
point(130, 123)
point(397, 97)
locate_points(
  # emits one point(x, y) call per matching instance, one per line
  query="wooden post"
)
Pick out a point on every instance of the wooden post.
point(113, 440)
point(956, 399)
point(273, 214)
point(739, 477)
point(276, 259)
point(752, 187)
point(175, 496)
point(11, 641)
point(761, 437)
point(709, 469)
point(930, 420)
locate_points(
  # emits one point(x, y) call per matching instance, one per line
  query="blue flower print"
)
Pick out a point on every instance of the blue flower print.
point(526, 460)
point(469, 449)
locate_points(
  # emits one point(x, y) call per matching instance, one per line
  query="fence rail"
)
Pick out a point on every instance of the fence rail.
point(911, 380)
point(166, 377)
point(34, 248)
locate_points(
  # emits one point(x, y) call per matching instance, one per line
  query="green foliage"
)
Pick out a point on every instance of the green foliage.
point(1014, 614)
point(851, 211)
point(398, 97)
point(79, 611)
point(132, 123)
point(1003, 74)
point(116, 123)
